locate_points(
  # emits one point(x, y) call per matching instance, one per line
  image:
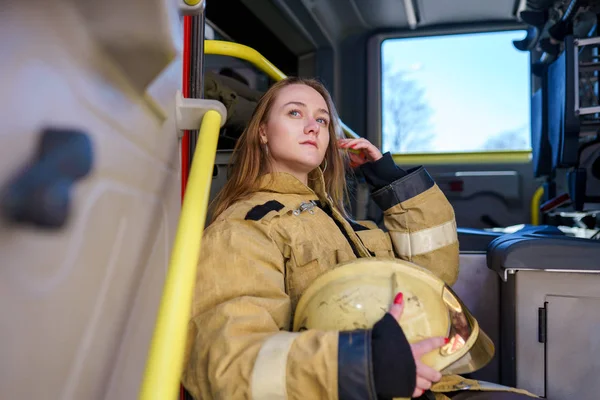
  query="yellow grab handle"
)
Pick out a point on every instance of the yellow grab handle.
point(535, 205)
point(165, 360)
point(236, 50)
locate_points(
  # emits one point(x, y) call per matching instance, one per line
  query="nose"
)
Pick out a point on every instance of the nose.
point(311, 127)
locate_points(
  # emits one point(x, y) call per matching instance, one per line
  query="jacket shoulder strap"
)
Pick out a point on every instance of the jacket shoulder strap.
point(260, 211)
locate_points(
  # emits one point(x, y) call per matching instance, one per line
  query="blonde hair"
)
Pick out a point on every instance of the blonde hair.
point(250, 159)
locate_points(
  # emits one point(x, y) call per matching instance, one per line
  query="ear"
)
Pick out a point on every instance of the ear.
point(262, 132)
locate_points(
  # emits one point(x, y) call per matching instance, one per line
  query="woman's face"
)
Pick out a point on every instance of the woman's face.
point(297, 130)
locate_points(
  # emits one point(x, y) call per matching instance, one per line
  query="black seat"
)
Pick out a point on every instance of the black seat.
point(475, 240)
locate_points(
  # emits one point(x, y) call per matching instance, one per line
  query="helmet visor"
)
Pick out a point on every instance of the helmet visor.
point(464, 333)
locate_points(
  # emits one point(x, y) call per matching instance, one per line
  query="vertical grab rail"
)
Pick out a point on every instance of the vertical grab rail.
point(165, 360)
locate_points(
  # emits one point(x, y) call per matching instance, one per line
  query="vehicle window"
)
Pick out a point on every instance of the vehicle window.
point(455, 93)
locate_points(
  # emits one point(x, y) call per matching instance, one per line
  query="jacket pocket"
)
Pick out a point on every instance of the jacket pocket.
point(307, 263)
point(377, 242)
point(342, 256)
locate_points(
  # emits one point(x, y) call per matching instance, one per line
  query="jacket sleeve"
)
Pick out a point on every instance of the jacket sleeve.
point(418, 216)
point(239, 344)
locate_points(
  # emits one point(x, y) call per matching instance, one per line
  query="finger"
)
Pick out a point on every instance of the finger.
point(397, 308)
point(427, 345)
point(353, 142)
point(428, 373)
point(423, 383)
point(360, 139)
point(360, 145)
point(369, 151)
point(353, 151)
point(346, 142)
point(356, 159)
point(372, 151)
point(417, 393)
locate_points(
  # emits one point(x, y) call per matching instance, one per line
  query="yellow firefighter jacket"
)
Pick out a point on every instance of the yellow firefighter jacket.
point(260, 255)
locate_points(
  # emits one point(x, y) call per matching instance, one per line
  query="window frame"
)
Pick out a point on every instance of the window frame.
point(374, 90)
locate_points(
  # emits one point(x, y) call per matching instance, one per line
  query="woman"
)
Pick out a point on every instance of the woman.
point(279, 223)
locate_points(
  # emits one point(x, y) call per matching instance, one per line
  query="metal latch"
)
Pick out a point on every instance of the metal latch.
point(542, 323)
point(306, 206)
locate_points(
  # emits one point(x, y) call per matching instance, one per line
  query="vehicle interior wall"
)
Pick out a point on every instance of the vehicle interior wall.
point(84, 254)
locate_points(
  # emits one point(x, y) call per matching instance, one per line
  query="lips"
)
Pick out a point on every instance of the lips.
point(311, 143)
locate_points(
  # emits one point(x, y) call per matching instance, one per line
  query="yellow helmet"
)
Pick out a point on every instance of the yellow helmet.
point(357, 294)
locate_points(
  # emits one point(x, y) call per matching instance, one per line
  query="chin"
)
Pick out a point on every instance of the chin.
point(314, 163)
point(308, 166)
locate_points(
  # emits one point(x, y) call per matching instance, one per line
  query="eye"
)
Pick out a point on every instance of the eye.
point(294, 113)
point(323, 121)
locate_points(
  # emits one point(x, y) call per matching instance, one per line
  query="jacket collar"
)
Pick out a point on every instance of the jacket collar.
point(284, 183)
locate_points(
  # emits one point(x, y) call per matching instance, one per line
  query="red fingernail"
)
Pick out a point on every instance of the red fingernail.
point(398, 298)
point(446, 340)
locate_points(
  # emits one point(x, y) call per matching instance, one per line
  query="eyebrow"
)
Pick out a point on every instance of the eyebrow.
point(298, 103)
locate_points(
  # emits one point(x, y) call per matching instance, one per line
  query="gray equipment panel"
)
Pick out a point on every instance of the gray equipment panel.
point(543, 368)
point(547, 315)
point(478, 287)
point(503, 184)
point(572, 326)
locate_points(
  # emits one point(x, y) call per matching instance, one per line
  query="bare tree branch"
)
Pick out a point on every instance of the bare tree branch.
point(406, 114)
point(515, 139)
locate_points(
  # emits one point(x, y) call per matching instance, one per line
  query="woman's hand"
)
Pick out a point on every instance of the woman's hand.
point(364, 151)
point(425, 374)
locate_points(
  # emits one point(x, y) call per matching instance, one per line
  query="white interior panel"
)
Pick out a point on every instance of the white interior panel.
point(77, 305)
